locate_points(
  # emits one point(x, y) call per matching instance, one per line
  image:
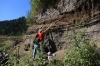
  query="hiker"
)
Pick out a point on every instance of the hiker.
point(41, 39)
point(36, 47)
point(41, 34)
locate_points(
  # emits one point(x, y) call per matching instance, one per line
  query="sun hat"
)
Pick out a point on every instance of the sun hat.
point(39, 30)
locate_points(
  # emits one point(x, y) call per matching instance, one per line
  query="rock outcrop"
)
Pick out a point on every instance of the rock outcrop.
point(66, 11)
point(64, 6)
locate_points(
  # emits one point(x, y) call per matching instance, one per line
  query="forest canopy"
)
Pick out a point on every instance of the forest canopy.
point(13, 27)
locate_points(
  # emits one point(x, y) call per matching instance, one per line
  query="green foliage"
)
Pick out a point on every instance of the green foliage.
point(79, 24)
point(5, 44)
point(81, 53)
point(29, 19)
point(26, 60)
point(56, 63)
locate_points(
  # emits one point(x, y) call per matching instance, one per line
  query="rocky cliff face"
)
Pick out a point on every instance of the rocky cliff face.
point(65, 6)
point(69, 11)
point(59, 35)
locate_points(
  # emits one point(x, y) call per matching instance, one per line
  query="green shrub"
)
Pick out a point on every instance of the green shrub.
point(5, 44)
point(81, 53)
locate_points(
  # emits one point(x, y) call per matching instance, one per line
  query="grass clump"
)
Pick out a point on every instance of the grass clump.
point(5, 44)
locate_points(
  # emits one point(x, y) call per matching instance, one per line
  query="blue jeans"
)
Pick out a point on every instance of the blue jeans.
point(36, 50)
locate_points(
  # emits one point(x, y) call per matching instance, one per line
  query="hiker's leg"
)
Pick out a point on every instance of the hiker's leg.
point(34, 51)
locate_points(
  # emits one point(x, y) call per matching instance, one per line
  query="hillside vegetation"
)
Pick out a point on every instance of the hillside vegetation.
point(76, 27)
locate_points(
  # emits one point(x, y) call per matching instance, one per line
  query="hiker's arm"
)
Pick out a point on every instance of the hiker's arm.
point(48, 28)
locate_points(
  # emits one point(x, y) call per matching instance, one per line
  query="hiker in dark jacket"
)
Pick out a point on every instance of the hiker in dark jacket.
point(36, 47)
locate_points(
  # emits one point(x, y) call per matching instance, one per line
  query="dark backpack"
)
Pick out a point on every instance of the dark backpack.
point(36, 40)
